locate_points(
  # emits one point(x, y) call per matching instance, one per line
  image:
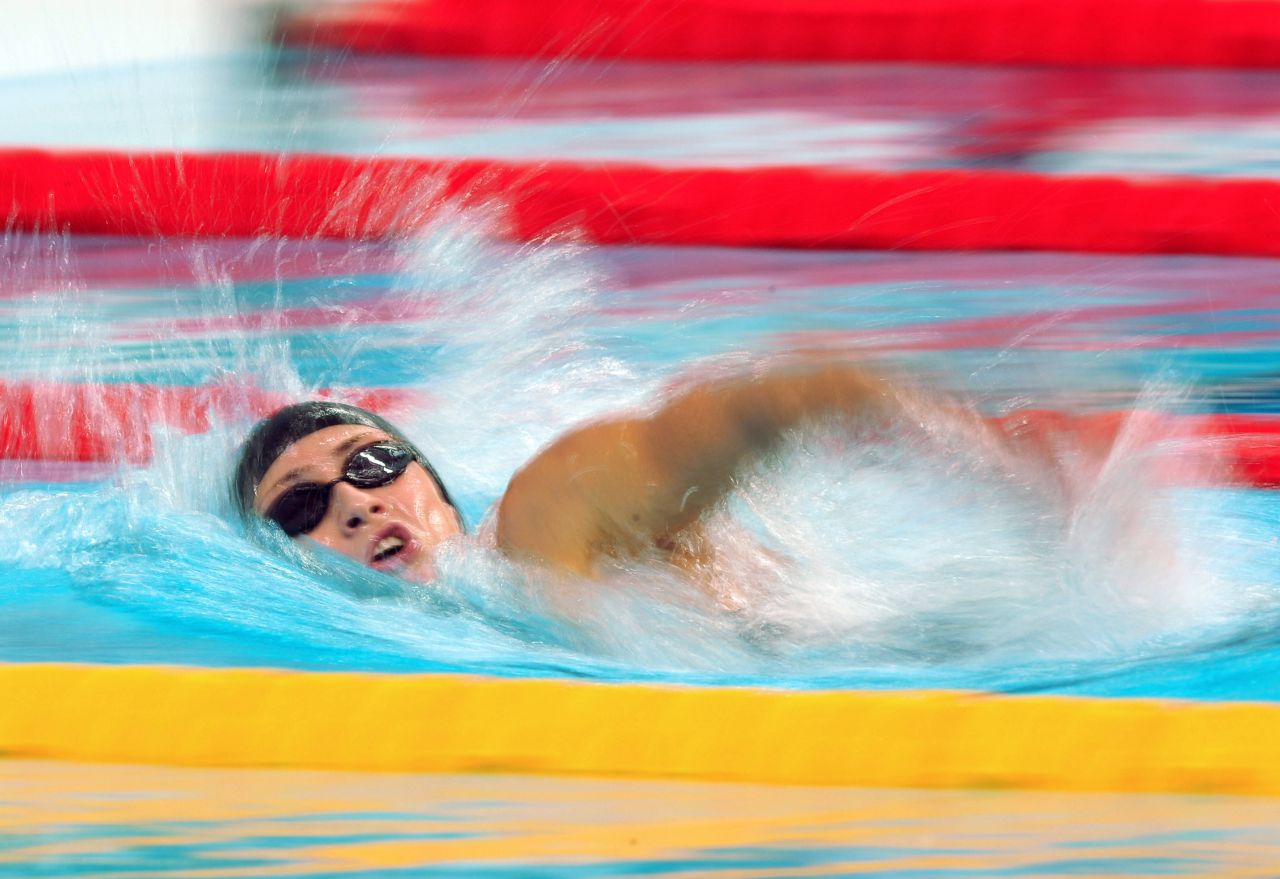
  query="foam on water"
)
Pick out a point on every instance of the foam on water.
point(929, 548)
point(927, 545)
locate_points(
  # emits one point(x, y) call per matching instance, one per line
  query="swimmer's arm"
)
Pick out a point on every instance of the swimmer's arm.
point(620, 487)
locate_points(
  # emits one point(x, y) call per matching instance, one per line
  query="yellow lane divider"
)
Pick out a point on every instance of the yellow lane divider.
point(457, 723)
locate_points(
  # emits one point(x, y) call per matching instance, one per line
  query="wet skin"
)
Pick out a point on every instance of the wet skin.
point(395, 528)
point(633, 487)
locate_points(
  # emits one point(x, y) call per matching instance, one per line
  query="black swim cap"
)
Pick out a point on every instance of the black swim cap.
point(271, 436)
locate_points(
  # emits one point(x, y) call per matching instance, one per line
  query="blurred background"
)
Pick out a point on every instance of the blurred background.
point(496, 220)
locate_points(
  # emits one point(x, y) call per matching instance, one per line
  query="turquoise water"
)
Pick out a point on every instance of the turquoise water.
point(916, 564)
point(897, 569)
point(913, 562)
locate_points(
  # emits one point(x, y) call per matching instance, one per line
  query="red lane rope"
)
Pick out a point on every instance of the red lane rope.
point(248, 194)
point(1232, 449)
point(56, 421)
point(91, 422)
point(1219, 33)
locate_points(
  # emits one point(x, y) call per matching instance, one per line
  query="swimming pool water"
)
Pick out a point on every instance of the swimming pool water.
point(510, 345)
point(912, 571)
point(883, 116)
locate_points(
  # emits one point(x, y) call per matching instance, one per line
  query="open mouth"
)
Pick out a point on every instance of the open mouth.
point(388, 547)
point(393, 547)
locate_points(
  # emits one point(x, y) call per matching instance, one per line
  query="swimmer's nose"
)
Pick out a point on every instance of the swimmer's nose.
point(353, 506)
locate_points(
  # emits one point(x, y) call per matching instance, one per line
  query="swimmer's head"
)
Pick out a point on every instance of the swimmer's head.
point(349, 480)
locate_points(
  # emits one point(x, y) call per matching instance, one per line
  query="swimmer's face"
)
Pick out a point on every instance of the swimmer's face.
point(395, 528)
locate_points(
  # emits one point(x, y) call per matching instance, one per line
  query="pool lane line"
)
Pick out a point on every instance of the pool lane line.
point(211, 717)
point(343, 197)
point(50, 422)
point(1213, 33)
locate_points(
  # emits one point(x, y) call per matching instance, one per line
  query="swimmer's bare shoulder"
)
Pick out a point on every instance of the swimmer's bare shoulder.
point(624, 487)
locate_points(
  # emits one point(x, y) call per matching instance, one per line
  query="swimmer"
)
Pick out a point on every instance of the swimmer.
point(632, 487)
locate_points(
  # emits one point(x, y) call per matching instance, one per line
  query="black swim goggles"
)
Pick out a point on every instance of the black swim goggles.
point(302, 507)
